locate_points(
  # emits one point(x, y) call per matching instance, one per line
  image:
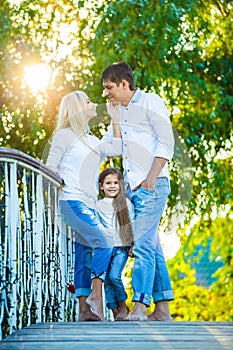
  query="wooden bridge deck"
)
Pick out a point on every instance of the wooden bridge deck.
point(122, 335)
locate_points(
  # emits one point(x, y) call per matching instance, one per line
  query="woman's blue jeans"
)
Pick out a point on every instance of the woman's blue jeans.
point(89, 234)
point(150, 275)
point(86, 222)
point(89, 263)
point(113, 285)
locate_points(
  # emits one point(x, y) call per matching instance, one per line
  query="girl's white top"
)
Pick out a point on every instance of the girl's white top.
point(108, 216)
point(78, 163)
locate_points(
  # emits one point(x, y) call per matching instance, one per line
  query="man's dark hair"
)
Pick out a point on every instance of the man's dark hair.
point(118, 71)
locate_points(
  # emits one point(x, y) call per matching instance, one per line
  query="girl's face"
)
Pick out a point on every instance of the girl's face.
point(91, 109)
point(110, 186)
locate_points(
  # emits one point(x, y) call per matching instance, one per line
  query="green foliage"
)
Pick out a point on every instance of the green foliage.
point(34, 33)
point(21, 115)
point(183, 51)
point(196, 301)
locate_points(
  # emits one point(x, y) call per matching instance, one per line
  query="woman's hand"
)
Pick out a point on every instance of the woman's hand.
point(113, 110)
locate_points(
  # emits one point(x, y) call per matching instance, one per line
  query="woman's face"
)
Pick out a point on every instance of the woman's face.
point(91, 109)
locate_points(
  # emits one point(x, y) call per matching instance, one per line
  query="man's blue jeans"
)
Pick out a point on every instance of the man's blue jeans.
point(150, 274)
point(113, 285)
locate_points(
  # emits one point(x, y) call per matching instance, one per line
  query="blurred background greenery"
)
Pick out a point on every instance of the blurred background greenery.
point(181, 50)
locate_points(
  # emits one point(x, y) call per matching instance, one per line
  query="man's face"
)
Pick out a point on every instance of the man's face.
point(113, 92)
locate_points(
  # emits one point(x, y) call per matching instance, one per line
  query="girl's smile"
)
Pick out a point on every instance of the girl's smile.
point(110, 186)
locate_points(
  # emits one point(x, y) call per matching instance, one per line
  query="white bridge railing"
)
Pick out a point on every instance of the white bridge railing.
point(36, 247)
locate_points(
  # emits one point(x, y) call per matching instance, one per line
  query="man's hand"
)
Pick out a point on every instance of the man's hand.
point(155, 170)
point(130, 253)
point(149, 185)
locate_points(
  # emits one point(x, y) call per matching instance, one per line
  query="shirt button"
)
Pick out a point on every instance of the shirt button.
point(125, 121)
point(125, 132)
point(127, 109)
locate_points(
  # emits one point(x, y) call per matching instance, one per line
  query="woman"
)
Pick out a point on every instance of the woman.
point(76, 155)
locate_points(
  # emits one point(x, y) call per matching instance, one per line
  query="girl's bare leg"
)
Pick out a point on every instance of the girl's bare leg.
point(122, 311)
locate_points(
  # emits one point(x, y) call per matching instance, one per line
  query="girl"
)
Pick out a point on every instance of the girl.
point(115, 211)
point(76, 154)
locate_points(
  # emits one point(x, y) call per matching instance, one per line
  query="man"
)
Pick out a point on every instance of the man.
point(148, 145)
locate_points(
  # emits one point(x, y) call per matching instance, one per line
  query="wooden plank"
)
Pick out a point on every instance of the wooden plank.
point(114, 346)
point(123, 335)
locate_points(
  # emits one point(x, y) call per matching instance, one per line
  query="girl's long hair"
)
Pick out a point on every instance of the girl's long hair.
point(120, 207)
point(72, 113)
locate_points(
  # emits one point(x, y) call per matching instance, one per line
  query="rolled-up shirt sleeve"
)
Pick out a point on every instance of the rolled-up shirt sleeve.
point(159, 120)
point(108, 136)
point(110, 147)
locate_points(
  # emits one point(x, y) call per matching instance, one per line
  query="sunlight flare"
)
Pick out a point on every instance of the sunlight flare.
point(37, 76)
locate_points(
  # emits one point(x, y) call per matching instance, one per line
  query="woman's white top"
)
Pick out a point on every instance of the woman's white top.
point(78, 163)
point(108, 216)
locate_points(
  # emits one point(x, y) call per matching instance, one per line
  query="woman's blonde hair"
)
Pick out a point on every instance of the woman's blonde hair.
point(72, 113)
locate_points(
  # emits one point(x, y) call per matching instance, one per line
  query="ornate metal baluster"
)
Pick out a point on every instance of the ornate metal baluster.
point(13, 214)
point(28, 237)
point(20, 252)
point(36, 256)
point(5, 310)
point(39, 243)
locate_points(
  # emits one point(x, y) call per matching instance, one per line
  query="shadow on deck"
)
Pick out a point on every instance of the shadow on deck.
point(122, 335)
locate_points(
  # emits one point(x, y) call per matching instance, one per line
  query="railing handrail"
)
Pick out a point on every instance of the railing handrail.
point(10, 153)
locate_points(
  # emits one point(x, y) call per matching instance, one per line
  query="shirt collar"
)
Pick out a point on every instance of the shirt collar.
point(136, 96)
